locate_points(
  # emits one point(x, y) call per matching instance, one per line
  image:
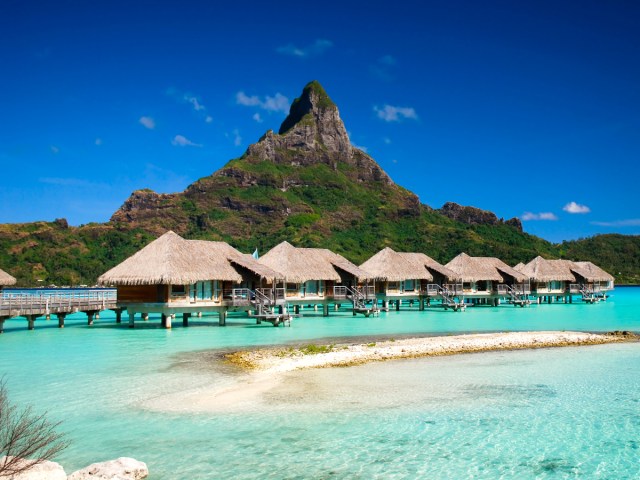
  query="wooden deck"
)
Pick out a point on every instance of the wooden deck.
point(60, 303)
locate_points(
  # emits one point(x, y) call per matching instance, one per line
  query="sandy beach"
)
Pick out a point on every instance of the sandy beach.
point(277, 360)
point(263, 371)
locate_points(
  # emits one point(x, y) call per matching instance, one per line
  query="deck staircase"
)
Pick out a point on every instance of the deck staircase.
point(517, 295)
point(450, 295)
point(266, 302)
point(589, 295)
point(359, 296)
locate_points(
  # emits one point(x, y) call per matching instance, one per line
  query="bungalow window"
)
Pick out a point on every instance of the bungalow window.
point(555, 285)
point(482, 286)
point(311, 287)
point(178, 290)
point(203, 290)
point(466, 286)
point(409, 286)
point(393, 286)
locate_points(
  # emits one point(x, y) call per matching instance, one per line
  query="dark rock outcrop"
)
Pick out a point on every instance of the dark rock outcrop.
point(468, 215)
point(142, 204)
point(476, 216)
point(514, 222)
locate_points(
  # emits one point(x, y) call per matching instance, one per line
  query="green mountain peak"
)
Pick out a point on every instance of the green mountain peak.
point(308, 106)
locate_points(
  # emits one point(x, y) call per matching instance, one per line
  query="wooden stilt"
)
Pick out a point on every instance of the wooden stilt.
point(61, 319)
point(2, 325)
point(166, 321)
point(223, 319)
point(90, 315)
point(325, 310)
point(185, 319)
point(131, 320)
point(119, 315)
point(30, 322)
point(397, 305)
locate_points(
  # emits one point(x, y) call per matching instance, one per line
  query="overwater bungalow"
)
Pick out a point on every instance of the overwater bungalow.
point(6, 279)
point(408, 276)
point(561, 279)
point(487, 280)
point(172, 275)
point(317, 276)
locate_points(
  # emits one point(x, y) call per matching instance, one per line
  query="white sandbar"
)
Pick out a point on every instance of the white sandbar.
point(281, 359)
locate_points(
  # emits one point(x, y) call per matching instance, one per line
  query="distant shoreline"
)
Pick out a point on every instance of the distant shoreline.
point(285, 359)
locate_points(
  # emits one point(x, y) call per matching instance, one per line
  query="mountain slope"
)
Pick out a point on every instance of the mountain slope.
point(306, 184)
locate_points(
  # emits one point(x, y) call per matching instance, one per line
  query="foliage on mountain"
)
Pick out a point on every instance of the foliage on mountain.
point(615, 253)
point(306, 184)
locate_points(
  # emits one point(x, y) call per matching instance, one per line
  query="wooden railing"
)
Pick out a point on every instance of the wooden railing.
point(17, 304)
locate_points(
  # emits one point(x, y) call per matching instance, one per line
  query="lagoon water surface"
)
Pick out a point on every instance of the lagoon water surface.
point(552, 413)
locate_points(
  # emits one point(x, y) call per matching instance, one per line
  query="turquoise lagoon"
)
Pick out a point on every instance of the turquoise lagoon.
point(554, 413)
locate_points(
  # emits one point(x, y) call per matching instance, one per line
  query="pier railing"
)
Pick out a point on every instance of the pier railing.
point(44, 303)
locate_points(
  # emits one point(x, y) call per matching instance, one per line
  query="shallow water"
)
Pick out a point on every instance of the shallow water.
point(558, 413)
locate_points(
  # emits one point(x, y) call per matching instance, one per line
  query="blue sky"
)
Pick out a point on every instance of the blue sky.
point(528, 109)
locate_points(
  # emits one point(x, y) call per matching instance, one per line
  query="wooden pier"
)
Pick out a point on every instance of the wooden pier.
point(60, 303)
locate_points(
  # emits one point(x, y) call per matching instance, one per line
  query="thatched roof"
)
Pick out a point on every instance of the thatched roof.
point(172, 260)
point(519, 267)
point(430, 264)
point(248, 262)
point(543, 270)
point(473, 269)
point(389, 265)
point(339, 262)
point(591, 272)
point(299, 265)
point(6, 279)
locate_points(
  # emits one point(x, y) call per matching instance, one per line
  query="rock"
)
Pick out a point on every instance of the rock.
point(476, 216)
point(515, 223)
point(61, 222)
point(622, 333)
point(43, 471)
point(468, 215)
point(123, 468)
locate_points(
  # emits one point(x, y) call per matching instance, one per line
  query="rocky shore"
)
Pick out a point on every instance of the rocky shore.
point(283, 359)
point(123, 468)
